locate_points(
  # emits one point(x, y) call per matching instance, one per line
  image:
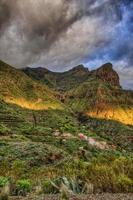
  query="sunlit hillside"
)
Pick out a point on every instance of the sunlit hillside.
point(18, 88)
point(75, 128)
point(99, 98)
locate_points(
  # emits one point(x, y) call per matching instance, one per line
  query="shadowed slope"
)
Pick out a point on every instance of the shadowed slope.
point(17, 88)
point(59, 81)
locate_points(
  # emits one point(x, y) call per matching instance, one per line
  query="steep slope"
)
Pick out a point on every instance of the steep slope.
point(40, 144)
point(60, 81)
point(17, 88)
point(102, 97)
point(107, 74)
point(97, 93)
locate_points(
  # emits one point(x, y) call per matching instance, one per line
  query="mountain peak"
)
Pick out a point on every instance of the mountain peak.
point(108, 74)
point(107, 66)
point(79, 68)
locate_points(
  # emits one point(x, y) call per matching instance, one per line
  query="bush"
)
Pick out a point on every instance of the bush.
point(3, 181)
point(103, 178)
point(49, 187)
point(23, 186)
point(4, 188)
point(123, 165)
point(124, 183)
point(18, 168)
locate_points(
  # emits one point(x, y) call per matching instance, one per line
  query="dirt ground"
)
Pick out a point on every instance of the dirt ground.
point(81, 197)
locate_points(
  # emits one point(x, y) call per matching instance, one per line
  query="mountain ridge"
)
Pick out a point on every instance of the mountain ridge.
point(97, 93)
point(73, 77)
point(61, 81)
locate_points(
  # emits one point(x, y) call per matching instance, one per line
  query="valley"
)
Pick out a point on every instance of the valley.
point(65, 133)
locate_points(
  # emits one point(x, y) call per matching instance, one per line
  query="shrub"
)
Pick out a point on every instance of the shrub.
point(23, 186)
point(4, 188)
point(3, 181)
point(123, 165)
point(18, 169)
point(103, 178)
point(49, 187)
point(124, 183)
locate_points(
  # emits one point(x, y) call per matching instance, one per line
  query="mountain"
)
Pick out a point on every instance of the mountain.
point(101, 96)
point(107, 74)
point(97, 93)
point(59, 81)
point(71, 79)
point(18, 88)
point(56, 126)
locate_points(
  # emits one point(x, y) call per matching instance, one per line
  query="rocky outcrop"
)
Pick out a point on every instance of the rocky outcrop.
point(108, 74)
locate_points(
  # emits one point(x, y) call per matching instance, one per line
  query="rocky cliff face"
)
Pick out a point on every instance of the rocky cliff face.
point(108, 74)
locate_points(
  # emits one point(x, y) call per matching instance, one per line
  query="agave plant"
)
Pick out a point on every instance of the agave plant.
point(72, 185)
point(67, 186)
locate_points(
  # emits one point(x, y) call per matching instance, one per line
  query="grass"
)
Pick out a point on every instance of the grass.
point(34, 151)
point(102, 174)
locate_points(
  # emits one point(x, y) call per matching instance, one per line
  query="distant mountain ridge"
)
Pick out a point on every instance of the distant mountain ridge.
point(62, 81)
point(65, 81)
point(96, 93)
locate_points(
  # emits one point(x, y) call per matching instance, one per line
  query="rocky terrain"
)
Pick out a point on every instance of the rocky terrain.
point(83, 197)
point(65, 133)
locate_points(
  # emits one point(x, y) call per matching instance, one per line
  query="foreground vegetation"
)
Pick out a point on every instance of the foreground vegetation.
point(102, 174)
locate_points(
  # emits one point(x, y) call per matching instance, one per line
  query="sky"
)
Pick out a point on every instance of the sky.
point(60, 34)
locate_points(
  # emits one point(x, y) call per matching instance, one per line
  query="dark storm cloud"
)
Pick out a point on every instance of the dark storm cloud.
point(37, 19)
point(5, 14)
point(62, 33)
point(42, 22)
point(39, 23)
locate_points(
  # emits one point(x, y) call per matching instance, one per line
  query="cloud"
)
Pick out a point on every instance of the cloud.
point(62, 33)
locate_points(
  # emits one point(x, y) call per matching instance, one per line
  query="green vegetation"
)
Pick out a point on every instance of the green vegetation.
point(4, 188)
point(3, 181)
point(100, 174)
point(125, 183)
point(59, 81)
point(50, 186)
point(4, 129)
point(23, 186)
point(17, 88)
point(40, 145)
